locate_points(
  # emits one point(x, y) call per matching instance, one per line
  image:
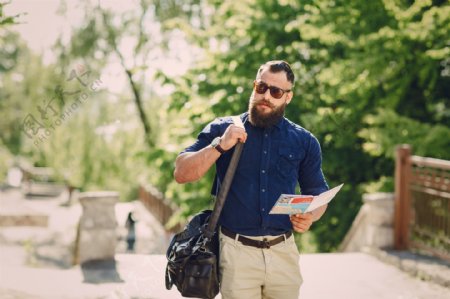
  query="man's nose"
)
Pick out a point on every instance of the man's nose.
point(267, 94)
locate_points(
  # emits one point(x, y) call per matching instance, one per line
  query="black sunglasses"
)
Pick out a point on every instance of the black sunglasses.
point(276, 92)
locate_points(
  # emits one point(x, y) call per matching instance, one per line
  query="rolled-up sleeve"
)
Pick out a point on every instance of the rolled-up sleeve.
point(205, 137)
point(310, 175)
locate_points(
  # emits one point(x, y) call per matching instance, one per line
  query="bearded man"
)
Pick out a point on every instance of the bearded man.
point(258, 254)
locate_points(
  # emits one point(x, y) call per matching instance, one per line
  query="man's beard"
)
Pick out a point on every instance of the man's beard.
point(264, 120)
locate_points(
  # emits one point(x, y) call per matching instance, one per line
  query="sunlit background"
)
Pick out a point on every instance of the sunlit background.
point(103, 95)
point(106, 93)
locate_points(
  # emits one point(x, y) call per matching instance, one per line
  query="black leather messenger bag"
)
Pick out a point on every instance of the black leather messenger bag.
point(193, 254)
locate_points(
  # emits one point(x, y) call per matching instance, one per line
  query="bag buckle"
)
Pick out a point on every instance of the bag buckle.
point(204, 242)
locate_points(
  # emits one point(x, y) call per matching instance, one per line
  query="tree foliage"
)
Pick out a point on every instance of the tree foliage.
point(129, 39)
point(370, 75)
point(7, 20)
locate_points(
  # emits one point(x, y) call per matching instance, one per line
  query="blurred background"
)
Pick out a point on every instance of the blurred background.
point(97, 98)
point(103, 95)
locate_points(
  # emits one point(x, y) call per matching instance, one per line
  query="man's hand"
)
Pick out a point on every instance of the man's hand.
point(232, 135)
point(301, 222)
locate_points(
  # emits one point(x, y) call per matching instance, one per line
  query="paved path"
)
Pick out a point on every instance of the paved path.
point(326, 276)
point(359, 275)
point(35, 264)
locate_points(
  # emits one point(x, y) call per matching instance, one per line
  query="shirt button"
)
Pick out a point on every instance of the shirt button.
point(265, 135)
point(265, 152)
point(263, 171)
point(263, 190)
point(290, 156)
point(263, 209)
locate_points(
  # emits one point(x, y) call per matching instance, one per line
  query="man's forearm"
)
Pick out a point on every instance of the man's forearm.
point(190, 167)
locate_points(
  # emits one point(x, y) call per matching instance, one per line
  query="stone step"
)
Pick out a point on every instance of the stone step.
point(43, 189)
point(53, 245)
point(25, 219)
point(16, 211)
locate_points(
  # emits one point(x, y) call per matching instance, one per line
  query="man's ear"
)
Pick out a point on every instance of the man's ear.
point(289, 97)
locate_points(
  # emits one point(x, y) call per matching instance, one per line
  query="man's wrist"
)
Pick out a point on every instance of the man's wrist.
point(216, 145)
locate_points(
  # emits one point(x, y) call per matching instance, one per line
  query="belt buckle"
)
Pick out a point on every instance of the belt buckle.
point(265, 244)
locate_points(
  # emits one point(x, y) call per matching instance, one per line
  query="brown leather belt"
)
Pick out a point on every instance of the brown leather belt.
point(256, 243)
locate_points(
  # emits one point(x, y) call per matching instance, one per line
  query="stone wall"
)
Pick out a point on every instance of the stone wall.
point(373, 227)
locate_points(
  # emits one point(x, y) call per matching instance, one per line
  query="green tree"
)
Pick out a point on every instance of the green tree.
point(128, 39)
point(7, 20)
point(90, 144)
point(351, 58)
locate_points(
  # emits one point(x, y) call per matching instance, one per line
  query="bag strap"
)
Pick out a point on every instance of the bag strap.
point(225, 186)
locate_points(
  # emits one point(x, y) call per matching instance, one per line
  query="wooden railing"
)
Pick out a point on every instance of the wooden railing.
point(160, 207)
point(422, 203)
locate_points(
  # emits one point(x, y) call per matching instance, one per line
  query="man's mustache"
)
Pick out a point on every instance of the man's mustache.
point(264, 102)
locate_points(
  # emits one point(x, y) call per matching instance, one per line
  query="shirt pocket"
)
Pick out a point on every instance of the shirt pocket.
point(289, 161)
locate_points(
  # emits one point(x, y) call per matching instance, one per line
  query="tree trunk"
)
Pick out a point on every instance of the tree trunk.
point(140, 107)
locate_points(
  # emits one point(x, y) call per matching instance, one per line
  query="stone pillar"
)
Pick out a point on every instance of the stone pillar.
point(380, 224)
point(97, 229)
point(373, 227)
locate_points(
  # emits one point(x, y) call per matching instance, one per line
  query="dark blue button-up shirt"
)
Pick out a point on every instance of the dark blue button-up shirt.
point(272, 162)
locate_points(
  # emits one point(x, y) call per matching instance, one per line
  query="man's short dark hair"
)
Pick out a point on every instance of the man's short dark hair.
point(276, 66)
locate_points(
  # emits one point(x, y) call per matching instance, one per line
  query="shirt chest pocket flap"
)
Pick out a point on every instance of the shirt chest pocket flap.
point(289, 160)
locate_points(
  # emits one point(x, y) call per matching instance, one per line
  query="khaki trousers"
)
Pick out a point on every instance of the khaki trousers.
point(253, 273)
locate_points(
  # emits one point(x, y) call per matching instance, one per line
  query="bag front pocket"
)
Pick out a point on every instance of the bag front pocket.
point(200, 276)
